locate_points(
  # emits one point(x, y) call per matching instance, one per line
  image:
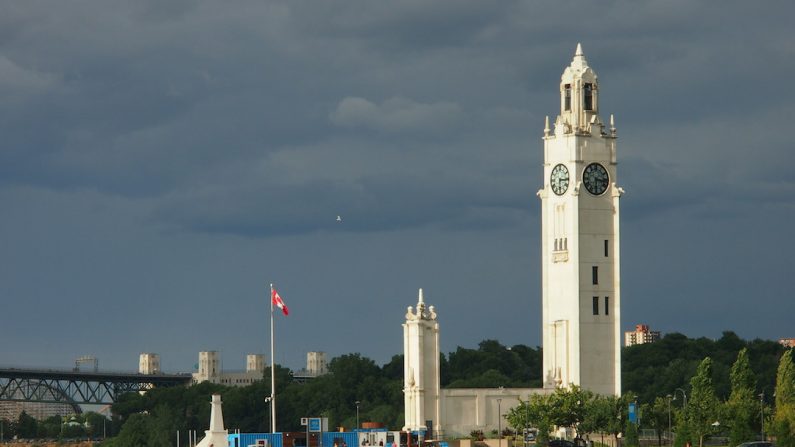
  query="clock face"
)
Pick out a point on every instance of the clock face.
point(595, 178)
point(559, 179)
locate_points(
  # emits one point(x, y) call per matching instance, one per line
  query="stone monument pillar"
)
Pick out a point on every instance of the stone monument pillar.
point(216, 436)
point(421, 381)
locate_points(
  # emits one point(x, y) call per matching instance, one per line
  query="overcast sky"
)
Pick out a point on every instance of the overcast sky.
point(161, 162)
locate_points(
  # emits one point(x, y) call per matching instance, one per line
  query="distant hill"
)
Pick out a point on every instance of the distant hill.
point(657, 369)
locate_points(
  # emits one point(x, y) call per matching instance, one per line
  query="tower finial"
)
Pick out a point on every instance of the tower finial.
point(578, 62)
point(421, 301)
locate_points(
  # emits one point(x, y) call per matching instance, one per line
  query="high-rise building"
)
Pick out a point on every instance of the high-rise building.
point(255, 363)
point(316, 363)
point(787, 342)
point(149, 363)
point(641, 335)
point(580, 240)
point(210, 370)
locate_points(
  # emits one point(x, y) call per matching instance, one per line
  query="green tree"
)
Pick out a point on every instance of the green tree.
point(614, 413)
point(742, 408)
point(656, 416)
point(682, 436)
point(94, 423)
point(535, 412)
point(50, 427)
point(631, 438)
point(570, 407)
point(703, 406)
point(134, 433)
point(516, 366)
point(518, 417)
point(654, 369)
point(784, 420)
point(595, 415)
point(72, 428)
point(26, 426)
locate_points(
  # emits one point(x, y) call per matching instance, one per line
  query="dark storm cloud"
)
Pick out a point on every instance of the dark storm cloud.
point(170, 154)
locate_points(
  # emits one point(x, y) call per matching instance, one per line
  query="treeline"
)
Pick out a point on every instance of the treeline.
point(699, 414)
point(90, 425)
point(650, 372)
point(657, 369)
point(153, 418)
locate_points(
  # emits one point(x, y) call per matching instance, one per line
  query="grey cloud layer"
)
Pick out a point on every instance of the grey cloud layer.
point(192, 137)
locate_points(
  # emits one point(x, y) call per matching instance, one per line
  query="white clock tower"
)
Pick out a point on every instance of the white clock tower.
point(580, 240)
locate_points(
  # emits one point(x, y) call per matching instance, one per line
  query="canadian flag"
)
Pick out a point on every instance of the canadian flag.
point(278, 302)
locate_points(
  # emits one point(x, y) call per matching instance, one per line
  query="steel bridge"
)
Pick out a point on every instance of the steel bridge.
point(77, 388)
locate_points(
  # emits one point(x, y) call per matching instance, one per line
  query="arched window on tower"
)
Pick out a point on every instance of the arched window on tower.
point(588, 96)
point(567, 97)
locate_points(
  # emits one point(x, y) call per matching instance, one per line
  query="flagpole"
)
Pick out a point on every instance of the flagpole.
point(273, 373)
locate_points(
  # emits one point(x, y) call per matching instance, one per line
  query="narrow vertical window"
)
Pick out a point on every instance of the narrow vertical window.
point(588, 96)
point(567, 97)
point(595, 275)
point(596, 305)
point(606, 248)
point(607, 305)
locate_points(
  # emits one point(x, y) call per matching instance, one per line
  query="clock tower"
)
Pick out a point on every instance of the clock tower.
point(580, 240)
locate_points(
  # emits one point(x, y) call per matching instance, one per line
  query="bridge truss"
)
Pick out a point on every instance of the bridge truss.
point(75, 388)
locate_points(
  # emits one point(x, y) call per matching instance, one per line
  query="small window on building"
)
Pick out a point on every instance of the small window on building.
point(607, 305)
point(596, 305)
point(588, 96)
point(595, 275)
point(606, 248)
point(567, 97)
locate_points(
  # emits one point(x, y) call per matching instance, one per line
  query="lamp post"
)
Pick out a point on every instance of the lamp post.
point(762, 413)
point(357, 414)
point(268, 400)
point(684, 397)
point(669, 416)
point(527, 420)
point(499, 421)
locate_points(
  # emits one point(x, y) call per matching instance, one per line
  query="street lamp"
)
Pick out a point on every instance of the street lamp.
point(762, 413)
point(669, 416)
point(268, 400)
point(684, 401)
point(684, 397)
point(499, 421)
point(527, 420)
point(357, 414)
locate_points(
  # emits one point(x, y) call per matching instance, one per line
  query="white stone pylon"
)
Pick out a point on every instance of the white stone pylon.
point(216, 436)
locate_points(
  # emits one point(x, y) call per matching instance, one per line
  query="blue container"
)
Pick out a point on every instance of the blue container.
point(255, 439)
point(343, 439)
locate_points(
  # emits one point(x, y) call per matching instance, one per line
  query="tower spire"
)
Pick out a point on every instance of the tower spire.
point(579, 96)
point(579, 63)
point(421, 306)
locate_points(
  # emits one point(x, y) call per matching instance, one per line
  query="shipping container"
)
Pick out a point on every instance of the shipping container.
point(255, 440)
point(341, 439)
